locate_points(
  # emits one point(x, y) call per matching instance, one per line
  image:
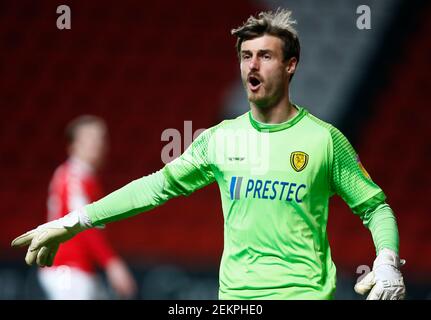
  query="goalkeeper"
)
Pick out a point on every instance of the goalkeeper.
point(275, 201)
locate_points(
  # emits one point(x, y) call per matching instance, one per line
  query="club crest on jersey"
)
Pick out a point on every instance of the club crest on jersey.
point(298, 160)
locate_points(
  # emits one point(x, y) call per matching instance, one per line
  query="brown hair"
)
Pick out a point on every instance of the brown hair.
point(81, 121)
point(278, 24)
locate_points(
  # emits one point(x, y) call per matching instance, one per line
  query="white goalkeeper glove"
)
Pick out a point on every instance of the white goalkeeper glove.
point(45, 239)
point(385, 281)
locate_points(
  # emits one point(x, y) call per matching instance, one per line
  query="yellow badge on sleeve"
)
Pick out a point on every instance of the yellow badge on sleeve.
point(365, 172)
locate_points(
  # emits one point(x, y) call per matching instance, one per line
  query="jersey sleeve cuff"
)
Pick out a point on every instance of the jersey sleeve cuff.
point(370, 203)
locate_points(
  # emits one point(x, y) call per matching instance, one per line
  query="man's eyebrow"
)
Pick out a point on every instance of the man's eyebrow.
point(261, 51)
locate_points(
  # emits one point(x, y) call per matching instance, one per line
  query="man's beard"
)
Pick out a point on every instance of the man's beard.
point(267, 100)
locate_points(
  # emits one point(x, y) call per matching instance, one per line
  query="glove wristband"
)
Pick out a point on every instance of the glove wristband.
point(387, 257)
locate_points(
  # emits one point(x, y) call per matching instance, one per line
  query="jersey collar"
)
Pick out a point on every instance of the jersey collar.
point(80, 166)
point(273, 127)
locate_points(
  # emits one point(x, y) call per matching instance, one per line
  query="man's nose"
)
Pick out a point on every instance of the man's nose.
point(254, 64)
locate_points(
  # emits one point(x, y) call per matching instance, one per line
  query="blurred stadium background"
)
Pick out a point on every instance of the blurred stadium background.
point(146, 66)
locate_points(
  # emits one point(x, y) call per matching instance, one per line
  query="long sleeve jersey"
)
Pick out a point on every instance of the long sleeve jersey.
point(275, 183)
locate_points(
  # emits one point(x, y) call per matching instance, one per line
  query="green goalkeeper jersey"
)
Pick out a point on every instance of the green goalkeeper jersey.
point(275, 182)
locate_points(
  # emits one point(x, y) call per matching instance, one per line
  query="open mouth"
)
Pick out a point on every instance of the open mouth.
point(254, 83)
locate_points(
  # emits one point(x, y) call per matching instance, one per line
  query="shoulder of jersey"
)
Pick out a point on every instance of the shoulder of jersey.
point(319, 124)
point(238, 121)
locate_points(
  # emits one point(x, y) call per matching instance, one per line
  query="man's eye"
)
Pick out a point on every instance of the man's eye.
point(245, 57)
point(267, 57)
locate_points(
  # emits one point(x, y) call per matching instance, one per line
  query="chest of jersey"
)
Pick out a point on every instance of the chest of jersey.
point(278, 166)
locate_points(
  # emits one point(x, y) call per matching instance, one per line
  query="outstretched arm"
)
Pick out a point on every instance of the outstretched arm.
point(187, 173)
point(138, 196)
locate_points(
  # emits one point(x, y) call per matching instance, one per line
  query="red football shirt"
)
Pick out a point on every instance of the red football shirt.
point(73, 185)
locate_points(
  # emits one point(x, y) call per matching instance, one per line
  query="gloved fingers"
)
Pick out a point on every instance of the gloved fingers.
point(36, 243)
point(42, 256)
point(399, 294)
point(31, 256)
point(402, 295)
point(393, 294)
point(375, 293)
point(365, 285)
point(51, 256)
point(386, 295)
point(46, 237)
point(24, 239)
point(396, 297)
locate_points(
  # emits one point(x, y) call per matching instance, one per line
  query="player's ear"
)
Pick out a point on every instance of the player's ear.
point(291, 65)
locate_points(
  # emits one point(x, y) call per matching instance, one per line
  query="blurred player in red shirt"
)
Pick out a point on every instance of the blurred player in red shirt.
point(74, 184)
